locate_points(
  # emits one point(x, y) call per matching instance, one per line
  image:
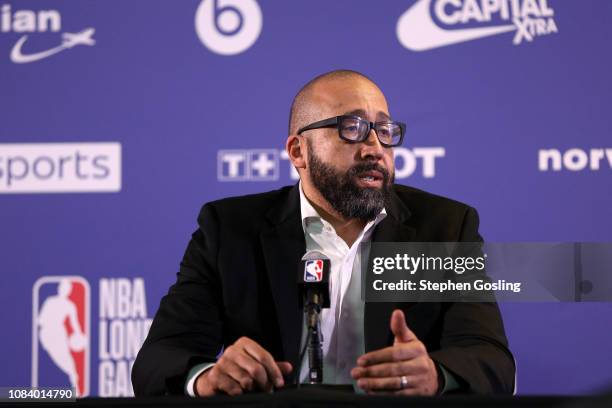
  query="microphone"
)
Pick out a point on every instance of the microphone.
point(313, 281)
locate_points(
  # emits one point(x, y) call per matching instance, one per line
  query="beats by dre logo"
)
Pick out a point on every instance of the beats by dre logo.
point(228, 27)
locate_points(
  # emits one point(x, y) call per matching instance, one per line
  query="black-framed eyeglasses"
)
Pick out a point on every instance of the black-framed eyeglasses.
point(354, 129)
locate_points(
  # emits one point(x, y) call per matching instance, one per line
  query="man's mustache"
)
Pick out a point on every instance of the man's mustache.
point(363, 167)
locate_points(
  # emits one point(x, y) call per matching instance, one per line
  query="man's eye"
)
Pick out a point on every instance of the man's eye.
point(384, 133)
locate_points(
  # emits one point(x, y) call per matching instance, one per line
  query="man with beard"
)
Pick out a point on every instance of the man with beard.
point(232, 322)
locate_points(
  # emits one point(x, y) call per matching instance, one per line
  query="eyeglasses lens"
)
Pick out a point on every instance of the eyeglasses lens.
point(389, 133)
point(353, 128)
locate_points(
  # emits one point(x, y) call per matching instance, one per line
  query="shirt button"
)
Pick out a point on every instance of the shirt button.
point(342, 365)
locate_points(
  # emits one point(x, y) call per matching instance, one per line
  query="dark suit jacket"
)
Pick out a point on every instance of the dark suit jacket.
point(238, 278)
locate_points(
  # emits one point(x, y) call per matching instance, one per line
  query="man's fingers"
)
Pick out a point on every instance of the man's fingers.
point(399, 352)
point(285, 367)
point(247, 365)
point(228, 385)
point(240, 375)
point(397, 369)
point(266, 360)
point(254, 370)
point(400, 329)
point(377, 370)
point(382, 384)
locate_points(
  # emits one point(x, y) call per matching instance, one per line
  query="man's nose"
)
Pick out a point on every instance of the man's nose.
point(371, 147)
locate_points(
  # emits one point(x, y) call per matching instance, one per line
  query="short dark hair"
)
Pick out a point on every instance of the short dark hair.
point(300, 111)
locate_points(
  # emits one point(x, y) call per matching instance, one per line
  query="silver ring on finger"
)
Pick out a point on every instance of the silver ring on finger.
point(403, 382)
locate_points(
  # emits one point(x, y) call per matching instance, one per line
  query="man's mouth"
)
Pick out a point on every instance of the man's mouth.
point(371, 178)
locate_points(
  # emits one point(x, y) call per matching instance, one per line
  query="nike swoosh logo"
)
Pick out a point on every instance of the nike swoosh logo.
point(70, 40)
point(417, 31)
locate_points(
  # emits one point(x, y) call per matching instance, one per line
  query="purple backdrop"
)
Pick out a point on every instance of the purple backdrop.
point(196, 104)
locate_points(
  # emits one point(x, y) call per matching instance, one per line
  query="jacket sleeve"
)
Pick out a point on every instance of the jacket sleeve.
point(187, 329)
point(473, 344)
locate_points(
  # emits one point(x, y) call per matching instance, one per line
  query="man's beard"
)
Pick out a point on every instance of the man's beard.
point(342, 192)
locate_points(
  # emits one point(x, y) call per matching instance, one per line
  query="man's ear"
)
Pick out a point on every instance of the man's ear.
point(296, 149)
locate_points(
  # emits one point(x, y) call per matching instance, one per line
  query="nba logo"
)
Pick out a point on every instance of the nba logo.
point(313, 272)
point(61, 333)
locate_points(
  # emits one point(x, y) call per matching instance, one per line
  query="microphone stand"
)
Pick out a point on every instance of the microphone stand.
point(314, 344)
point(313, 281)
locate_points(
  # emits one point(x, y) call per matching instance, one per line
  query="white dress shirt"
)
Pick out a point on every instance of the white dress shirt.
point(342, 323)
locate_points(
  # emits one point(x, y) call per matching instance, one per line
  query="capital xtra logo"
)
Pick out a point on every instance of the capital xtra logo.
point(430, 24)
point(41, 21)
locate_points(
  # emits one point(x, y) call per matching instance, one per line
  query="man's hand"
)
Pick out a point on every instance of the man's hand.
point(244, 366)
point(381, 371)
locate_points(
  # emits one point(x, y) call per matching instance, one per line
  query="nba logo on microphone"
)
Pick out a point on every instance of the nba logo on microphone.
point(313, 272)
point(61, 333)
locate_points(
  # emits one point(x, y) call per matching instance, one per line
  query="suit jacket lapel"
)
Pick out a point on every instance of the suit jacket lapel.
point(283, 246)
point(394, 228)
